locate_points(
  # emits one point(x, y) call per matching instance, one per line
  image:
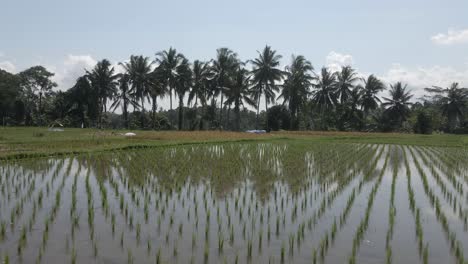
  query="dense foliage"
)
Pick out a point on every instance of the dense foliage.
point(225, 93)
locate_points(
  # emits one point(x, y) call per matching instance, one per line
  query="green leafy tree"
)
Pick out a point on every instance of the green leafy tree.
point(38, 80)
point(9, 92)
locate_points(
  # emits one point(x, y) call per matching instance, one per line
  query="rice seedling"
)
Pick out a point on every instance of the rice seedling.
point(258, 197)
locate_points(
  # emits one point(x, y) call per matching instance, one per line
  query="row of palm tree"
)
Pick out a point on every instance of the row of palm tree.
point(227, 79)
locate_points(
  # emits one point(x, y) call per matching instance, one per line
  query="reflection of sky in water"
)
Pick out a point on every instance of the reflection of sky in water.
point(272, 195)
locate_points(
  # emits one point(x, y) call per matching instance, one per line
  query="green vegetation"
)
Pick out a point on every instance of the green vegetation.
point(225, 93)
point(20, 142)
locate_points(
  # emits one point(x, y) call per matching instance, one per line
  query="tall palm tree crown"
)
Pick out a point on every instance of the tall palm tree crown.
point(125, 97)
point(265, 77)
point(224, 67)
point(182, 85)
point(452, 100)
point(368, 93)
point(240, 94)
point(399, 102)
point(296, 87)
point(169, 61)
point(345, 83)
point(104, 83)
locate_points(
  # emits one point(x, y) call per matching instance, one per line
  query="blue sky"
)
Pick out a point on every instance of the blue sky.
point(419, 42)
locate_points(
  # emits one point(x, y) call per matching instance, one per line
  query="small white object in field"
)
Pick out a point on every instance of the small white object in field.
point(130, 134)
point(54, 129)
point(256, 131)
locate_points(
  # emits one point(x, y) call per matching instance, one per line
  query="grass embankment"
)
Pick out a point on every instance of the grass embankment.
point(21, 142)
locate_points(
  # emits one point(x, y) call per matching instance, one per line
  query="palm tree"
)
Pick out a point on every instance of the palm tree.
point(345, 83)
point(369, 99)
point(183, 83)
point(265, 75)
point(224, 67)
point(168, 61)
point(352, 116)
point(324, 96)
point(398, 105)
point(139, 72)
point(156, 90)
point(200, 90)
point(125, 97)
point(296, 87)
point(452, 101)
point(239, 94)
point(104, 83)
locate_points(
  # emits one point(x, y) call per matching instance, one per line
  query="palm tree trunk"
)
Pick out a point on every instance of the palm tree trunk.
point(237, 113)
point(221, 110)
point(181, 113)
point(228, 117)
point(142, 112)
point(258, 113)
point(125, 114)
point(266, 113)
point(170, 106)
point(155, 98)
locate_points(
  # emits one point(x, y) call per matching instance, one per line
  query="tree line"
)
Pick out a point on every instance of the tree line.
point(225, 93)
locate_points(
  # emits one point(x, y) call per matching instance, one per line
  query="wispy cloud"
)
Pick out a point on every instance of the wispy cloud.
point(7, 66)
point(451, 37)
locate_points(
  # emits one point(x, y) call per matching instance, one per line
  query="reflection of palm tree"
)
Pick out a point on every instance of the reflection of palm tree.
point(265, 75)
point(398, 104)
point(324, 96)
point(240, 94)
point(124, 97)
point(139, 72)
point(295, 89)
point(452, 101)
point(369, 99)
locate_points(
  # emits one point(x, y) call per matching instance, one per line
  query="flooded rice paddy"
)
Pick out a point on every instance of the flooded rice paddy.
point(238, 203)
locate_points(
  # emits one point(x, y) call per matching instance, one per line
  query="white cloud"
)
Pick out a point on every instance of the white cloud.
point(421, 77)
point(451, 37)
point(73, 67)
point(335, 61)
point(8, 66)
